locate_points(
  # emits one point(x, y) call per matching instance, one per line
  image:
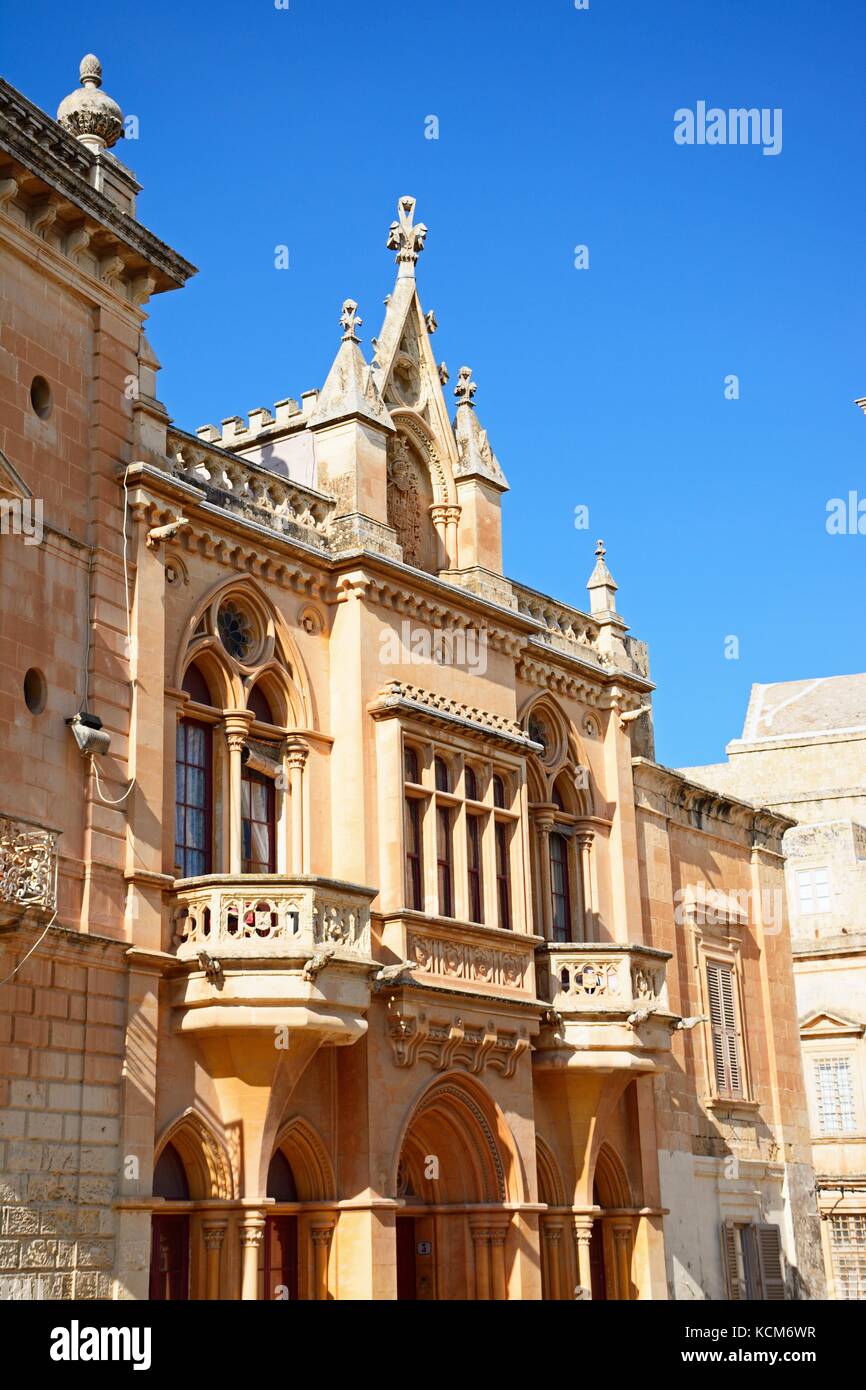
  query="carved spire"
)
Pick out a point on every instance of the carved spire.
point(465, 388)
point(476, 458)
point(89, 113)
point(350, 320)
point(349, 391)
point(406, 238)
point(601, 585)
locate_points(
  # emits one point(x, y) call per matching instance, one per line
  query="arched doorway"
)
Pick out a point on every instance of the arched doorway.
point(169, 1253)
point(611, 1245)
point(299, 1227)
point(278, 1272)
point(187, 1235)
point(558, 1275)
point(456, 1170)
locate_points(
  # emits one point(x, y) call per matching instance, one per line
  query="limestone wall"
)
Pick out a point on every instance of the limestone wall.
point(61, 1045)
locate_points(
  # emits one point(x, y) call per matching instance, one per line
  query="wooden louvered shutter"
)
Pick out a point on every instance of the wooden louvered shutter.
point(730, 1261)
point(770, 1261)
point(727, 1066)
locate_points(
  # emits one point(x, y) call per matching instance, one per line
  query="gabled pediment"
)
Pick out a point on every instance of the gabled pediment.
point(11, 482)
point(405, 369)
point(822, 1023)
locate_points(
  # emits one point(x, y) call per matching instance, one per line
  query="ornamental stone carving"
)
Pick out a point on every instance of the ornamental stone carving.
point(463, 960)
point(446, 1043)
point(404, 501)
point(89, 113)
point(28, 864)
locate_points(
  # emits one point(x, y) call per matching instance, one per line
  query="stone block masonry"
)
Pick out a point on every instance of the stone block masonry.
point(61, 1046)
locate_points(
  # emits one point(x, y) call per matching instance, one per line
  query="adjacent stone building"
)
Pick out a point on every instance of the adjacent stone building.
point(803, 753)
point(354, 945)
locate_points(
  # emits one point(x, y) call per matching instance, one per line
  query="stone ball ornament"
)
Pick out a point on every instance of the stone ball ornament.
point(89, 113)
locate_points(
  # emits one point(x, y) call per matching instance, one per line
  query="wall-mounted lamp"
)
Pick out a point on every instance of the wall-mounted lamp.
point(89, 734)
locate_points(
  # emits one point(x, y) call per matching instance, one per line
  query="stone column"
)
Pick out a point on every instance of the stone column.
point(582, 1239)
point(585, 841)
point(252, 1232)
point(552, 1240)
point(481, 1250)
point(544, 825)
point(321, 1238)
point(452, 517)
point(622, 1248)
point(439, 516)
point(496, 1240)
point(297, 758)
point(236, 729)
point(214, 1235)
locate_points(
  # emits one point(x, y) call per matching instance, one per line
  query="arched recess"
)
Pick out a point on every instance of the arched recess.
point(275, 657)
point(551, 1188)
point(563, 765)
point(205, 1159)
point(557, 1260)
point(421, 495)
point(419, 434)
point(308, 1159)
point(611, 1185)
point(459, 1123)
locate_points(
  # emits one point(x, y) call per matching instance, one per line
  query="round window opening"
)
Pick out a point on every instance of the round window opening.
point(237, 631)
point(40, 397)
point(35, 691)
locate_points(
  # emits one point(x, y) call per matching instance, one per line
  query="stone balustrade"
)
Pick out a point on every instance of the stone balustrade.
point(247, 488)
point(564, 628)
point(28, 868)
point(255, 916)
point(591, 978)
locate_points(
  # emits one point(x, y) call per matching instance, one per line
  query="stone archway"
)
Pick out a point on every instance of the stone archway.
point(191, 1167)
point(299, 1227)
point(557, 1265)
point(457, 1168)
point(612, 1243)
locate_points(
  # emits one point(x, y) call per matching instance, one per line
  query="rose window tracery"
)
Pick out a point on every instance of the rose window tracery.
point(237, 630)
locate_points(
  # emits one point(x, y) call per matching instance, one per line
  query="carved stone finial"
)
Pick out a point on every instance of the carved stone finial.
point(406, 238)
point(431, 321)
point(443, 373)
point(90, 114)
point(599, 550)
point(350, 320)
point(466, 387)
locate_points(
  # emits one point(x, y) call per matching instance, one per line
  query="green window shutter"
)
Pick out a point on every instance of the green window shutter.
point(770, 1261)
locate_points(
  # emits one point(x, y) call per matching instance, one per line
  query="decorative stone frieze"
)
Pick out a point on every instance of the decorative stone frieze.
point(417, 1036)
point(449, 957)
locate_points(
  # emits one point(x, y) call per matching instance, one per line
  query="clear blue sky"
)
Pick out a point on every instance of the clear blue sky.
point(603, 387)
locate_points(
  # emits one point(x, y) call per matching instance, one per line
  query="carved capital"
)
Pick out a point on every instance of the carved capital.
point(214, 1234)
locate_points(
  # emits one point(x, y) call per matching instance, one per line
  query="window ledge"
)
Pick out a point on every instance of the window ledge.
point(750, 1107)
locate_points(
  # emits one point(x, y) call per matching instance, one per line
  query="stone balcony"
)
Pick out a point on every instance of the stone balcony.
point(28, 870)
point(266, 951)
point(462, 956)
point(608, 1006)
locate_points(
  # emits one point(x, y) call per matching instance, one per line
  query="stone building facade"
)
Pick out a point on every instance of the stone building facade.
point(354, 945)
point(803, 753)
